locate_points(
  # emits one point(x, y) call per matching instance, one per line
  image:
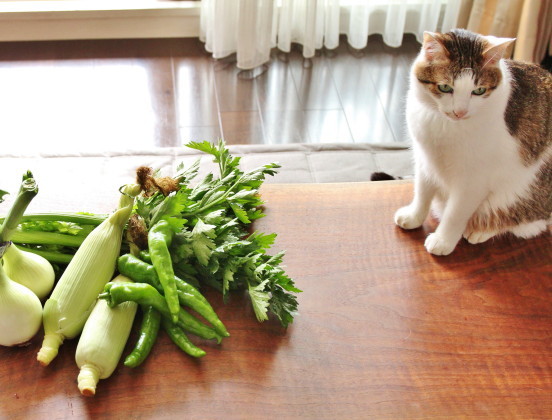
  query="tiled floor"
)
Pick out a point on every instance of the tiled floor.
point(83, 95)
point(338, 96)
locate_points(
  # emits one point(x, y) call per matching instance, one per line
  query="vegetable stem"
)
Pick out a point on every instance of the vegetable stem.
point(27, 191)
point(214, 203)
point(45, 238)
point(52, 256)
point(84, 219)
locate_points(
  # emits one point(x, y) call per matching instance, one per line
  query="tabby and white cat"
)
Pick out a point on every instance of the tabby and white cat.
point(482, 141)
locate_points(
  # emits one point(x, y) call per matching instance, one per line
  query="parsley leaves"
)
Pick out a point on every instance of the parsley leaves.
point(211, 219)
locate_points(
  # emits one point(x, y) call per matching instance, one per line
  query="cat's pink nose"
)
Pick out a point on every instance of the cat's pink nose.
point(461, 113)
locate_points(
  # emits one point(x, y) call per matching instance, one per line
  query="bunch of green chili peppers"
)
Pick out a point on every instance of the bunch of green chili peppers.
point(147, 292)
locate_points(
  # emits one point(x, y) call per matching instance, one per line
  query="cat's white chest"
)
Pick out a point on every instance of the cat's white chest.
point(477, 154)
point(472, 150)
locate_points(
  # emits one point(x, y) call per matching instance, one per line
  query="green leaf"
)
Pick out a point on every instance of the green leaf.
point(202, 188)
point(258, 174)
point(227, 278)
point(227, 229)
point(260, 300)
point(240, 213)
point(214, 265)
point(183, 252)
point(214, 217)
point(285, 282)
point(204, 229)
point(171, 208)
point(202, 241)
point(2, 194)
point(185, 175)
point(221, 155)
point(262, 240)
point(211, 198)
point(243, 196)
point(203, 146)
point(284, 306)
point(255, 214)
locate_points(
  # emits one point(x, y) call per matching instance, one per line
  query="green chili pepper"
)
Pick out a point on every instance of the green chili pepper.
point(159, 238)
point(145, 294)
point(188, 295)
point(151, 320)
point(181, 273)
point(145, 256)
point(179, 337)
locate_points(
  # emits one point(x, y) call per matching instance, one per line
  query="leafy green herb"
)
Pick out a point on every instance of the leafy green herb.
point(212, 241)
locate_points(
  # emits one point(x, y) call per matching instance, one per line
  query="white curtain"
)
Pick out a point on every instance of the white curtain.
point(250, 28)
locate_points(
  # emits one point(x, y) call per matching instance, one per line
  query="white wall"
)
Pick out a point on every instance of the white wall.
point(97, 19)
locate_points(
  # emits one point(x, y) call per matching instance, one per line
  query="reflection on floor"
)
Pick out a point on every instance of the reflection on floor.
point(113, 94)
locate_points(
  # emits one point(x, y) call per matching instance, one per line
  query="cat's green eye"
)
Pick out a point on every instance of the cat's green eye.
point(445, 88)
point(479, 91)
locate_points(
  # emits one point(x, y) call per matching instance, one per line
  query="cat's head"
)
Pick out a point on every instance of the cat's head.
point(458, 70)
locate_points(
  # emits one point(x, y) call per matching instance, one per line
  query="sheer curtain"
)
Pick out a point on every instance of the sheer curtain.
point(250, 28)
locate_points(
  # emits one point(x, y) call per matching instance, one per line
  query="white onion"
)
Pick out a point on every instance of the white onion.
point(30, 270)
point(20, 312)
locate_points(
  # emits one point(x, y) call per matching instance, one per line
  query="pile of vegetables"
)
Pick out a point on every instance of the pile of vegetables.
point(169, 238)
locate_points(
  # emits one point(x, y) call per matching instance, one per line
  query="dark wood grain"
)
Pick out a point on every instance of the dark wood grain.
point(385, 330)
point(143, 93)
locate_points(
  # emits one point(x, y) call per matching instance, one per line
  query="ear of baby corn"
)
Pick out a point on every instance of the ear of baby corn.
point(92, 266)
point(102, 341)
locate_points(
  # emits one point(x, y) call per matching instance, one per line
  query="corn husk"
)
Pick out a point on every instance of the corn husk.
point(92, 266)
point(102, 341)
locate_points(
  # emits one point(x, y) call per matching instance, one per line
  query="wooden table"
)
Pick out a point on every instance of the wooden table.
point(385, 330)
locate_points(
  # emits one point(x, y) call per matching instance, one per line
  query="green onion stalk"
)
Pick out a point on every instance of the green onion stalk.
point(54, 236)
point(27, 191)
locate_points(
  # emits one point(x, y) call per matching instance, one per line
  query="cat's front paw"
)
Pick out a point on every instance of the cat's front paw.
point(408, 218)
point(438, 245)
point(478, 237)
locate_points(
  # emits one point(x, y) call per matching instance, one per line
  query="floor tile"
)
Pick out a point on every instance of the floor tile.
point(243, 127)
point(364, 111)
point(275, 88)
point(196, 98)
point(234, 94)
point(199, 133)
point(328, 126)
point(286, 126)
point(314, 84)
point(94, 94)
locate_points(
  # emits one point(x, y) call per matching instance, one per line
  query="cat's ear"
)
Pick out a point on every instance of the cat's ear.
point(496, 49)
point(433, 48)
